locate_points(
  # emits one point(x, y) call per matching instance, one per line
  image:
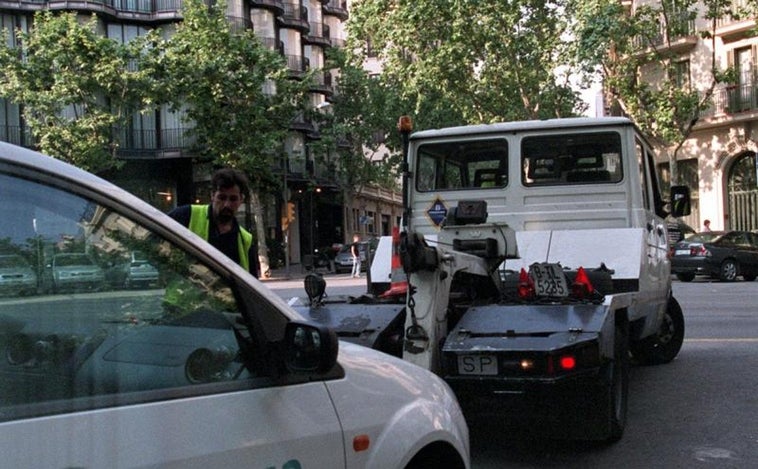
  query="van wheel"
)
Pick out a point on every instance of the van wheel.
point(729, 270)
point(664, 345)
point(618, 384)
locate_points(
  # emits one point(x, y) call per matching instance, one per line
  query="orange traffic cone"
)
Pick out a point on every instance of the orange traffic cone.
point(398, 279)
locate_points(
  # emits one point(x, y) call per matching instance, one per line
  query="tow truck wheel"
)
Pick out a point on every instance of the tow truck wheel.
point(618, 384)
point(664, 345)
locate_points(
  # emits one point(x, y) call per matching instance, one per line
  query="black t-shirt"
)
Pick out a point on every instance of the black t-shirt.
point(224, 242)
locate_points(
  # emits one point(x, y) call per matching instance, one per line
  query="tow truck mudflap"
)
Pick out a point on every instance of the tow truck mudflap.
point(378, 326)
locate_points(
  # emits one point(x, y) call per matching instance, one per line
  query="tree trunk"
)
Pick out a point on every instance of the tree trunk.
point(260, 234)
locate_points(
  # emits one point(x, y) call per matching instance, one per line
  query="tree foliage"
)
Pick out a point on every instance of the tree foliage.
point(465, 62)
point(632, 54)
point(236, 93)
point(356, 129)
point(76, 86)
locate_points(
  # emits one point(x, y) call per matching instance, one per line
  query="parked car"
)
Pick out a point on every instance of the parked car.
point(241, 378)
point(76, 271)
point(718, 254)
point(16, 276)
point(135, 272)
point(343, 261)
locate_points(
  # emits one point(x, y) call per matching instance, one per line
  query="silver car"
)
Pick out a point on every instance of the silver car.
point(76, 271)
point(16, 276)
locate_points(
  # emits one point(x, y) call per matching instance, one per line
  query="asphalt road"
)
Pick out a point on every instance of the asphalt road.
point(700, 411)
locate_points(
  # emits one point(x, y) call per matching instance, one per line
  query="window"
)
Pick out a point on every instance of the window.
point(584, 158)
point(682, 74)
point(115, 314)
point(474, 164)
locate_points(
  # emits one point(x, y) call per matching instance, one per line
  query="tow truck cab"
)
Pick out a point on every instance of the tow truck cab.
point(537, 256)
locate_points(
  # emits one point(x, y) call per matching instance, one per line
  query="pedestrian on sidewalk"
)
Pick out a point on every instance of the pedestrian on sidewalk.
point(356, 253)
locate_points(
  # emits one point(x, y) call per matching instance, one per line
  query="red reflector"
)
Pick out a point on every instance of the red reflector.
point(582, 287)
point(568, 362)
point(361, 443)
point(526, 288)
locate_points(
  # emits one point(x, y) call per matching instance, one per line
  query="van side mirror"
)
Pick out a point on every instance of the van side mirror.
point(309, 348)
point(680, 201)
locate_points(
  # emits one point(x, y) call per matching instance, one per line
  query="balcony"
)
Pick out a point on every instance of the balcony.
point(336, 8)
point(276, 6)
point(318, 35)
point(297, 64)
point(295, 16)
point(733, 102)
point(322, 82)
point(681, 37)
point(736, 25)
point(153, 144)
point(239, 24)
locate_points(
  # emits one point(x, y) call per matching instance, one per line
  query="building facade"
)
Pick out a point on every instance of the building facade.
point(159, 164)
point(718, 160)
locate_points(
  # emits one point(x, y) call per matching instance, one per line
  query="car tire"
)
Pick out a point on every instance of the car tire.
point(729, 270)
point(685, 277)
point(618, 384)
point(664, 345)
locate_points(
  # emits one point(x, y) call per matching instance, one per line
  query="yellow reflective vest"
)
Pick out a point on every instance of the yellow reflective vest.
point(200, 224)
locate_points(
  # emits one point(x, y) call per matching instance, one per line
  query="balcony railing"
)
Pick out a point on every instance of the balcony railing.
point(678, 29)
point(733, 99)
point(737, 7)
point(132, 141)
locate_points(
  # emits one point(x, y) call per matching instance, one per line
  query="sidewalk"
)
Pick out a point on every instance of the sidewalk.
point(298, 272)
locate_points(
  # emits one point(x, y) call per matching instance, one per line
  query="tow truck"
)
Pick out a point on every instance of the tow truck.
point(535, 256)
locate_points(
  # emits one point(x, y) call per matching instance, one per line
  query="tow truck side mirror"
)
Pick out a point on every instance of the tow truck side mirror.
point(680, 201)
point(309, 348)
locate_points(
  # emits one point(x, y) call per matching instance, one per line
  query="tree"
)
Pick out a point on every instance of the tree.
point(75, 86)
point(357, 137)
point(626, 50)
point(238, 96)
point(460, 62)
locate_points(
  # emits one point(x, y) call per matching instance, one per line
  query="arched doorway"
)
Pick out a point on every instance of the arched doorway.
point(742, 193)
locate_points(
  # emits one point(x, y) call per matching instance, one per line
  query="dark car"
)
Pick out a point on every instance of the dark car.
point(721, 255)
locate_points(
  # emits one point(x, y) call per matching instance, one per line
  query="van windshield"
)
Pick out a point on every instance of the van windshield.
point(581, 158)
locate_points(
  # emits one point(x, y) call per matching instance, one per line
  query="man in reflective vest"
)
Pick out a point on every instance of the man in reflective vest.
point(216, 222)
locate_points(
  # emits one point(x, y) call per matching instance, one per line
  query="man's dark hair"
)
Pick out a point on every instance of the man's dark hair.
point(225, 178)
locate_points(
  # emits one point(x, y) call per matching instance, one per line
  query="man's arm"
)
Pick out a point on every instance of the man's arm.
point(181, 214)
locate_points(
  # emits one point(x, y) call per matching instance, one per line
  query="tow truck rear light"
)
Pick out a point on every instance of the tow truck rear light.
point(567, 362)
point(526, 290)
point(561, 363)
point(582, 288)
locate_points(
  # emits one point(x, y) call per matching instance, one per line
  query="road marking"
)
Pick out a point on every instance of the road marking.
point(733, 339)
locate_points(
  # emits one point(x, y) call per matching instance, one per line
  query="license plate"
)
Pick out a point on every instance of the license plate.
point(682, 252)
point(477, 364)
point(549, 280)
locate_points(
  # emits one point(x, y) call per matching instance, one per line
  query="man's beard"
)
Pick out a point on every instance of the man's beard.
point(225, 216)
